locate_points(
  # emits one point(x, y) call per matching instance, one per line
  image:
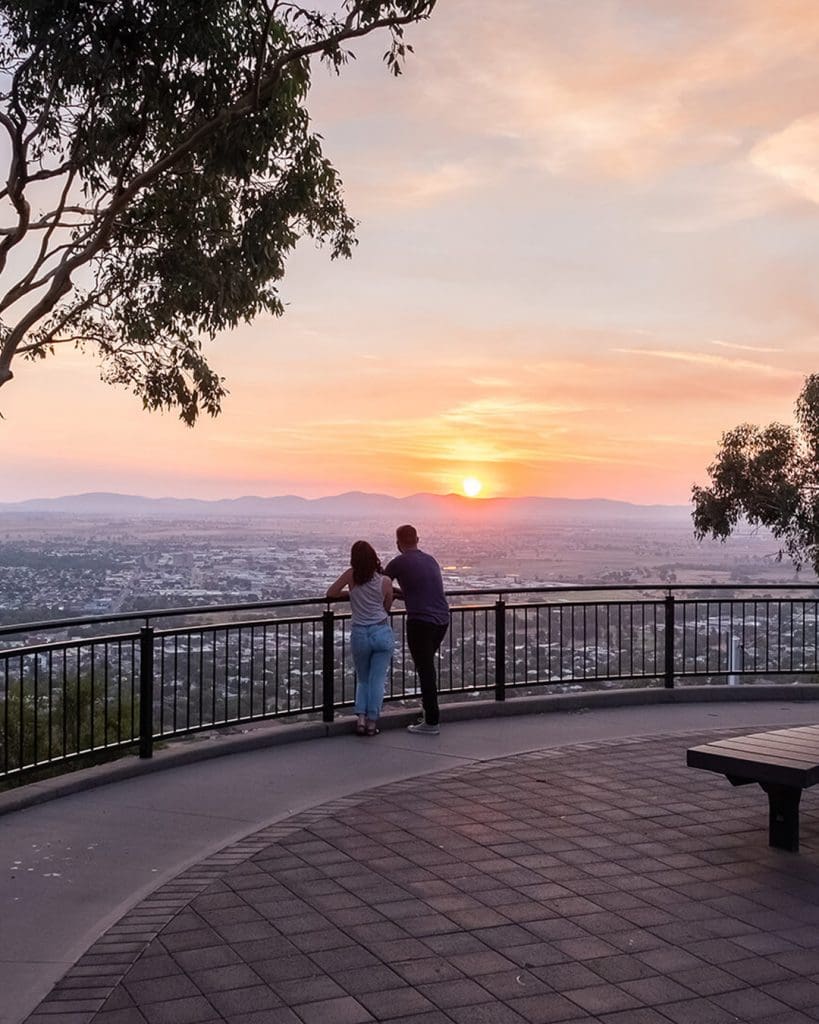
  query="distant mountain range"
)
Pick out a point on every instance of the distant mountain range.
point(355, 505)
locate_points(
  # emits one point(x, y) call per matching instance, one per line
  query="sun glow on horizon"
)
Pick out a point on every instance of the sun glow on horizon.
point(472, 486)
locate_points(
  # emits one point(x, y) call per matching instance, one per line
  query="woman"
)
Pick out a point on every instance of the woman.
point(372, 639)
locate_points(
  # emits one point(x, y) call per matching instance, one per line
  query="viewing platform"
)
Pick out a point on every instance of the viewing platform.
point(548, 857)
point(546, 867)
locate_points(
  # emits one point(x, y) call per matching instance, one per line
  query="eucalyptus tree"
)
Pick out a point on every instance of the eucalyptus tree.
point(769, 477)
point(161, 166)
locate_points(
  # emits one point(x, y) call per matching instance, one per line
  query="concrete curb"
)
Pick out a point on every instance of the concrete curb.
point(253, 736)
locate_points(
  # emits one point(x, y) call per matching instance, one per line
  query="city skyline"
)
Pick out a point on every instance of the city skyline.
point(586, 246)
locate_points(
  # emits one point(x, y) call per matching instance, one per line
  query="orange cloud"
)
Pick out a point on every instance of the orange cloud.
point(621, 90)
point(792, 156)
point(722, 363)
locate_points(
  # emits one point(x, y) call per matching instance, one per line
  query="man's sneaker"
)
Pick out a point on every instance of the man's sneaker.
point(423, 729)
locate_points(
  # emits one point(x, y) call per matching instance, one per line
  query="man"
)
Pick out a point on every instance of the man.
point(422, 589)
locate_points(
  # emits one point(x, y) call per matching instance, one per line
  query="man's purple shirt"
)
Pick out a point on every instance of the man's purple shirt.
point(419, 577)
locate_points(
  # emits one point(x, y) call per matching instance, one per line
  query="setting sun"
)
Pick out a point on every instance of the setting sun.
point(472, 487)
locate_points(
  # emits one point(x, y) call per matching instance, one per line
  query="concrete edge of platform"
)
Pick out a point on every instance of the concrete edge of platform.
point(252, 736)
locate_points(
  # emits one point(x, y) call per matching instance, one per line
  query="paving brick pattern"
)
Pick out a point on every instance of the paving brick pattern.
point(602, 882)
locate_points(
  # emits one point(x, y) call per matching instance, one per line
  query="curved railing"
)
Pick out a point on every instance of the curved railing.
point(80, 686)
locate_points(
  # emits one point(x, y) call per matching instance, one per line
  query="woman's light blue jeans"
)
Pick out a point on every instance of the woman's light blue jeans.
point(372, 648)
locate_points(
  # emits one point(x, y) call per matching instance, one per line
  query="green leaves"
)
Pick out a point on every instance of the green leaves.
point(185, 127)
point(769, 478)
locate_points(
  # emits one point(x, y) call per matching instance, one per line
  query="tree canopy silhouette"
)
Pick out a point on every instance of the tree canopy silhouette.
point(161, 168)
point(769, 477)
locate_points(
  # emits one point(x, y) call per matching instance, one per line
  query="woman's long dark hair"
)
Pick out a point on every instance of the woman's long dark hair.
point(365, 562)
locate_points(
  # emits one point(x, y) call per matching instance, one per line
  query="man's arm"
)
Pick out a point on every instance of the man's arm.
point(391, 570)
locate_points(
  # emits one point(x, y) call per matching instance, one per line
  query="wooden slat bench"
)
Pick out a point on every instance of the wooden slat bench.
point(783, 762)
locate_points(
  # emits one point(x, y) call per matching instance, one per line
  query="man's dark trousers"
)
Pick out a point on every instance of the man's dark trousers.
point(423, 640)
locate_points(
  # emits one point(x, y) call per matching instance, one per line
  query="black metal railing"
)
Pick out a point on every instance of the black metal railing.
point(82, 686)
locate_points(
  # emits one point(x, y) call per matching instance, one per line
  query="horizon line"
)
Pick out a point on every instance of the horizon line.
point(452, 495)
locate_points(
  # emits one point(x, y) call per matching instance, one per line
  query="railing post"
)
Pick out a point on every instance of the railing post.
point(146, 692)
point(500, 649)
point(669, 641)
point(328, 666)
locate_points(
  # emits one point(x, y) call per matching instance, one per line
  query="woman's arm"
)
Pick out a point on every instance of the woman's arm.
point(337, 589)
point(387, 591)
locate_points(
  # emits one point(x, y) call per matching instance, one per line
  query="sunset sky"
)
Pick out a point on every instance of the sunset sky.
point(588, 246)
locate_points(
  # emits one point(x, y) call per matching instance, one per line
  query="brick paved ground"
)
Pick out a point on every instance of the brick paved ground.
point(599, 882)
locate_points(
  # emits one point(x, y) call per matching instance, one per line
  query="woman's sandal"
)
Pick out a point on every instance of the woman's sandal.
point(372, 728)
point(361, 726)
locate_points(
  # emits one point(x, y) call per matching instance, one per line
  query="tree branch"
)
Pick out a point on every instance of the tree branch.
point(47, 220)
point(22, 287)
point(257, 74)
point(16, 186)
point(98, 235)
point(42, 175)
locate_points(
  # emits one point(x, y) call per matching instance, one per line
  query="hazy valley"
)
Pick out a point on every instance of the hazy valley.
point(57, 563)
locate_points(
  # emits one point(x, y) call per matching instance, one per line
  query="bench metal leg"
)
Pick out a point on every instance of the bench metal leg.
point(783, 820)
